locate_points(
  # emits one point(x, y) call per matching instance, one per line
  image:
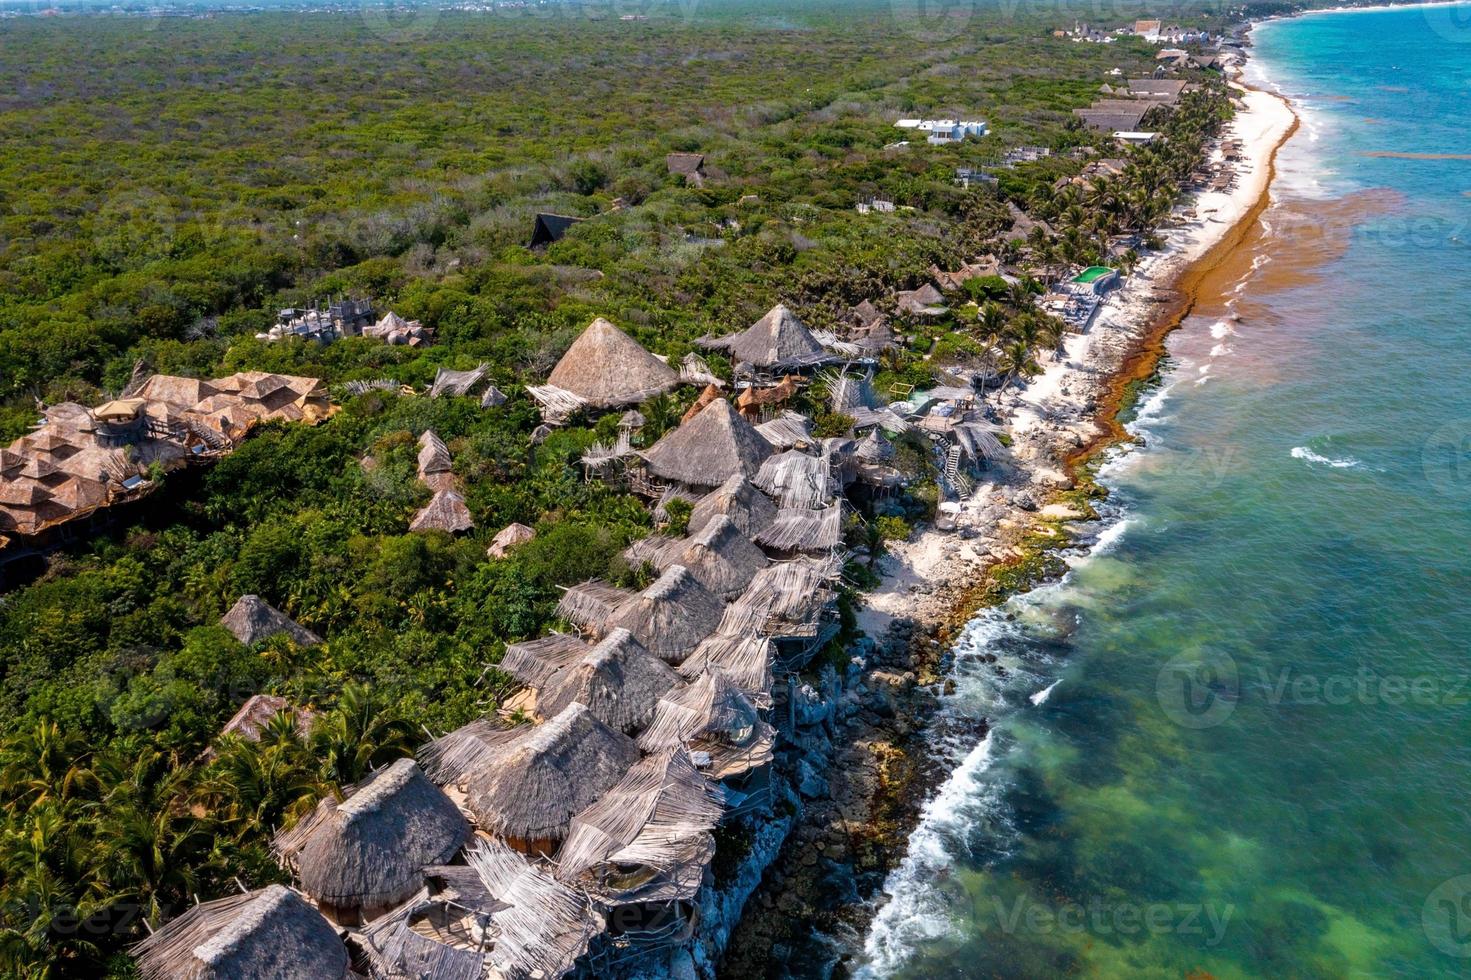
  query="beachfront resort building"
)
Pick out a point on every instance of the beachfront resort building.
point(939, 131)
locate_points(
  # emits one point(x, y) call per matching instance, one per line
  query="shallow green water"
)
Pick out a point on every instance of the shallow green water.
point(1256, 759)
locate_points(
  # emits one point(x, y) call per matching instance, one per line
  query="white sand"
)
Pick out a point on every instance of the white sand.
point(924, 577)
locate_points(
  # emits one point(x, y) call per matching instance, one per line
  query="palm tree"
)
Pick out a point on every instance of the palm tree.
point(356, 736)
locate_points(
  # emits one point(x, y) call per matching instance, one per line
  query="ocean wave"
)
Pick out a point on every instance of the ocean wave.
point(1220, 350)
point(1304, 453)
point(1041, 696)
point(1221, 329)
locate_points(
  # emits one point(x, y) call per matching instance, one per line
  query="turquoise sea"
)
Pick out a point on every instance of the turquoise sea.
point(1235, 741)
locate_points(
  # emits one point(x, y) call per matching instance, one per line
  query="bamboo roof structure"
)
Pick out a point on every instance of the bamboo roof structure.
point(801, 529)
point(530, 785)
point(787, 430)
point(446, 511)
point(533, 662)
point(695, 370)
point(434, 455)
point(747, 508)
point(648, 839)
point(271, 932)
point(786, 599)
point(797, 480)
point(745, 658)
point(708, 449)
point(252, 620)
point(672, 616)
point(716, 722)
point(368, 850)
point(777, 341)
point(590, 605)
point(497, 917)
point(617, 679)
point(875, 448)
point(606, 368)
point(557, 404)
point(457, 383)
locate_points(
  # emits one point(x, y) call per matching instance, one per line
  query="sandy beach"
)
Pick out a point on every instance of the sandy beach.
point(1058, 413)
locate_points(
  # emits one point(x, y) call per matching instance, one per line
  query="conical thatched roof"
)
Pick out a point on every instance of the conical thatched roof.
point(671, 616)
point(708, 449)
point(711, 716)
point(656, 819)
point(875, 448)
point(493, 398)
point(797, 479)
point(446, 511)
point(749, 509)
point(545, 926)
point(719, 556)
point(531, 786)
point(618, 680)
point(533, 662)
point(369, 850)
point(777, 340)
point(608, 368)
point(252, 620)
point(433, 454)
point(267, 933)
point(507, 538)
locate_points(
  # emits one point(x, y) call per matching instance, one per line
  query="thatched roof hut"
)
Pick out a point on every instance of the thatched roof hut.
point(258, 711)
point(748, 508)
point(672, 616)
point(720, 557)
point(800, 529)
point(607, 369)
point(708, 449)
point(533, 662)
point(493, 397)
point(778, 341)
point(786, 599)
point(589, 605)
point(527, 786)
point(252, 620)
point(744, 658)
point(497, 916)
point(365, 854)
point(874, 448)
point(434, 455)
point(715, 720)
point(649, 838)
point(267, 933)
point(507, 538)
point(797, 479)
point(446, 511)
point(618, 680)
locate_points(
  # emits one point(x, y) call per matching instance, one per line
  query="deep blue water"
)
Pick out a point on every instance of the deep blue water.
point(1256, 758)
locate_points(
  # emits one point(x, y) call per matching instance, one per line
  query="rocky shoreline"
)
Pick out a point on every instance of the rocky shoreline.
point(858, 789)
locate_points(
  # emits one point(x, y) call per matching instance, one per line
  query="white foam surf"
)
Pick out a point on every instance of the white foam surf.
point(1041, 696)
point(1304, 453)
